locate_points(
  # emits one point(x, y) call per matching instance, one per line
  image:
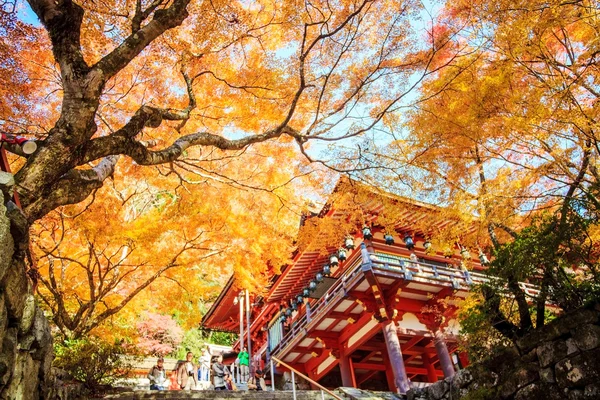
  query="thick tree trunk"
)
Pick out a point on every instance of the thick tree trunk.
point(26, 345)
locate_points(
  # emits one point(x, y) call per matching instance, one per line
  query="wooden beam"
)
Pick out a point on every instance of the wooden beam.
point(377, 294)
point(351, 329)
point(370, 367)
point(368, 356)
point(314, 362)
point(411, 343)
point(365, 338)
point(324, 334)
point(364, 377)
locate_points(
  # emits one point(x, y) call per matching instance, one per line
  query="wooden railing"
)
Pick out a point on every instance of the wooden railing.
point(295, 371)
point(320, 306)
point(422, 272)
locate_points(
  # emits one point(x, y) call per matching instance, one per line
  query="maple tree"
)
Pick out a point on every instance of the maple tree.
point(160, 334)
point(206, 95)
point(507, 133)
point(125, 82)
point(170, 247)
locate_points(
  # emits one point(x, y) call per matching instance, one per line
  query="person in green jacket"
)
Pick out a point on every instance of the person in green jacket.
point(244, 364)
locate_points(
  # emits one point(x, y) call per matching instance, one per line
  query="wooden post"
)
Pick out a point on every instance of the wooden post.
point(443, 354)
point(431, 375)
point(389, 373)
point(347, 370)
point(395, 354)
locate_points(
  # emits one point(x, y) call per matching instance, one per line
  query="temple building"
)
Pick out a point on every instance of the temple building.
point(370, 297)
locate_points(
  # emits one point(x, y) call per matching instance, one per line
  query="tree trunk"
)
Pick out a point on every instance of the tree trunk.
point(26, 347)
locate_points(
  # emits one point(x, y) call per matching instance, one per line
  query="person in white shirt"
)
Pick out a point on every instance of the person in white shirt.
point(186, 371)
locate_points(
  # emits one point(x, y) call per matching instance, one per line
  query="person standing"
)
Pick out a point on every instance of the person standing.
point(157, 375)
point(220, 374)
point(205, 365)
point(244, 364)
point(186, 371)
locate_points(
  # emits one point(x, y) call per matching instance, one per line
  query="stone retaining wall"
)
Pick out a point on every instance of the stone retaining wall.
point(25, 340)
point(560, 361)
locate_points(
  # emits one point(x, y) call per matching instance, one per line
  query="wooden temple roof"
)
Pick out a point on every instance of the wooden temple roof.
point(223, 315)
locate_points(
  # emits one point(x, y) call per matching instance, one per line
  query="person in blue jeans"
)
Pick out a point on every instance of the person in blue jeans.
point(157, 375)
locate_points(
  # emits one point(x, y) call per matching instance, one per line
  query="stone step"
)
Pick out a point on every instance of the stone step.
point(218, 395)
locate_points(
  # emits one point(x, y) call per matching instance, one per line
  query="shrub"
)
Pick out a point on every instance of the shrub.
point(93, 361)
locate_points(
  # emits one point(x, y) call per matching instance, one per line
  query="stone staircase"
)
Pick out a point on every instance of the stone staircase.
point(343, 392)
point(219, 395)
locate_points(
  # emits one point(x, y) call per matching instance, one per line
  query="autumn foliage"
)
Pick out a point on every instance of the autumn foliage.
point(179, 141)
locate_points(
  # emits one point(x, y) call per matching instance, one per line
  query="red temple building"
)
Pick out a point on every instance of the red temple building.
point(377, 311)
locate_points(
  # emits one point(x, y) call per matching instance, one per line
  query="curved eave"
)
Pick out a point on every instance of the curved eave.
point(223, 314)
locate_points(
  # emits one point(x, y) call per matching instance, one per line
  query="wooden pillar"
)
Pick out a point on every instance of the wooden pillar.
point(389, 373)
point(464, 359)
point(443, 354)
point(312, 376)
point(431, 375)
point(347, 370)
point(395, 355)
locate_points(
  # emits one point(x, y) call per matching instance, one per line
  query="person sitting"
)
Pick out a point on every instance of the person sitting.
point(157, 375)
point(257, 382)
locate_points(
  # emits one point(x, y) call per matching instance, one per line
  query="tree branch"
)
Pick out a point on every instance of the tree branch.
point(162, 21)
point(62, 19)
point(72, 188)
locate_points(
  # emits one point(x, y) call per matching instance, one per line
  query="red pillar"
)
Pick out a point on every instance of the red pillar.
point(464, 359)
point(443, 354)
point(431, 375)
point(395, 355)
point(347, 370)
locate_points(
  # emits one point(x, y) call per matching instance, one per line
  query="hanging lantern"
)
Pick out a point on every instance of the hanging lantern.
point(448, 251)
point(349, 242)
point(464, 252)
point(366, 231)
point(408, 240)
point(427, 245)
point(333, 260)
point(389, 239)
point(342, 254)
point(288, 312)
point(319, 277)
point(282, 318)
point(294, 306)
point(312, 285)
point(326, 270)
point(306, 292)
point(299, 299)
point(483, 258)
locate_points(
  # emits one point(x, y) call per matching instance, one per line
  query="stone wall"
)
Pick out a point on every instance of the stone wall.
point(560, 361)
point(25, 340)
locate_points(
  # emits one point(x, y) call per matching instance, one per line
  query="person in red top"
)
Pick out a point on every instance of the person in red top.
point(174, 385)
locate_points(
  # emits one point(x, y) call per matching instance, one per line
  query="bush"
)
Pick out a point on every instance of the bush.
point(92, 361)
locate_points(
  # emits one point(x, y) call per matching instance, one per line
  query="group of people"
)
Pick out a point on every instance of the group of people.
point(186, 374)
